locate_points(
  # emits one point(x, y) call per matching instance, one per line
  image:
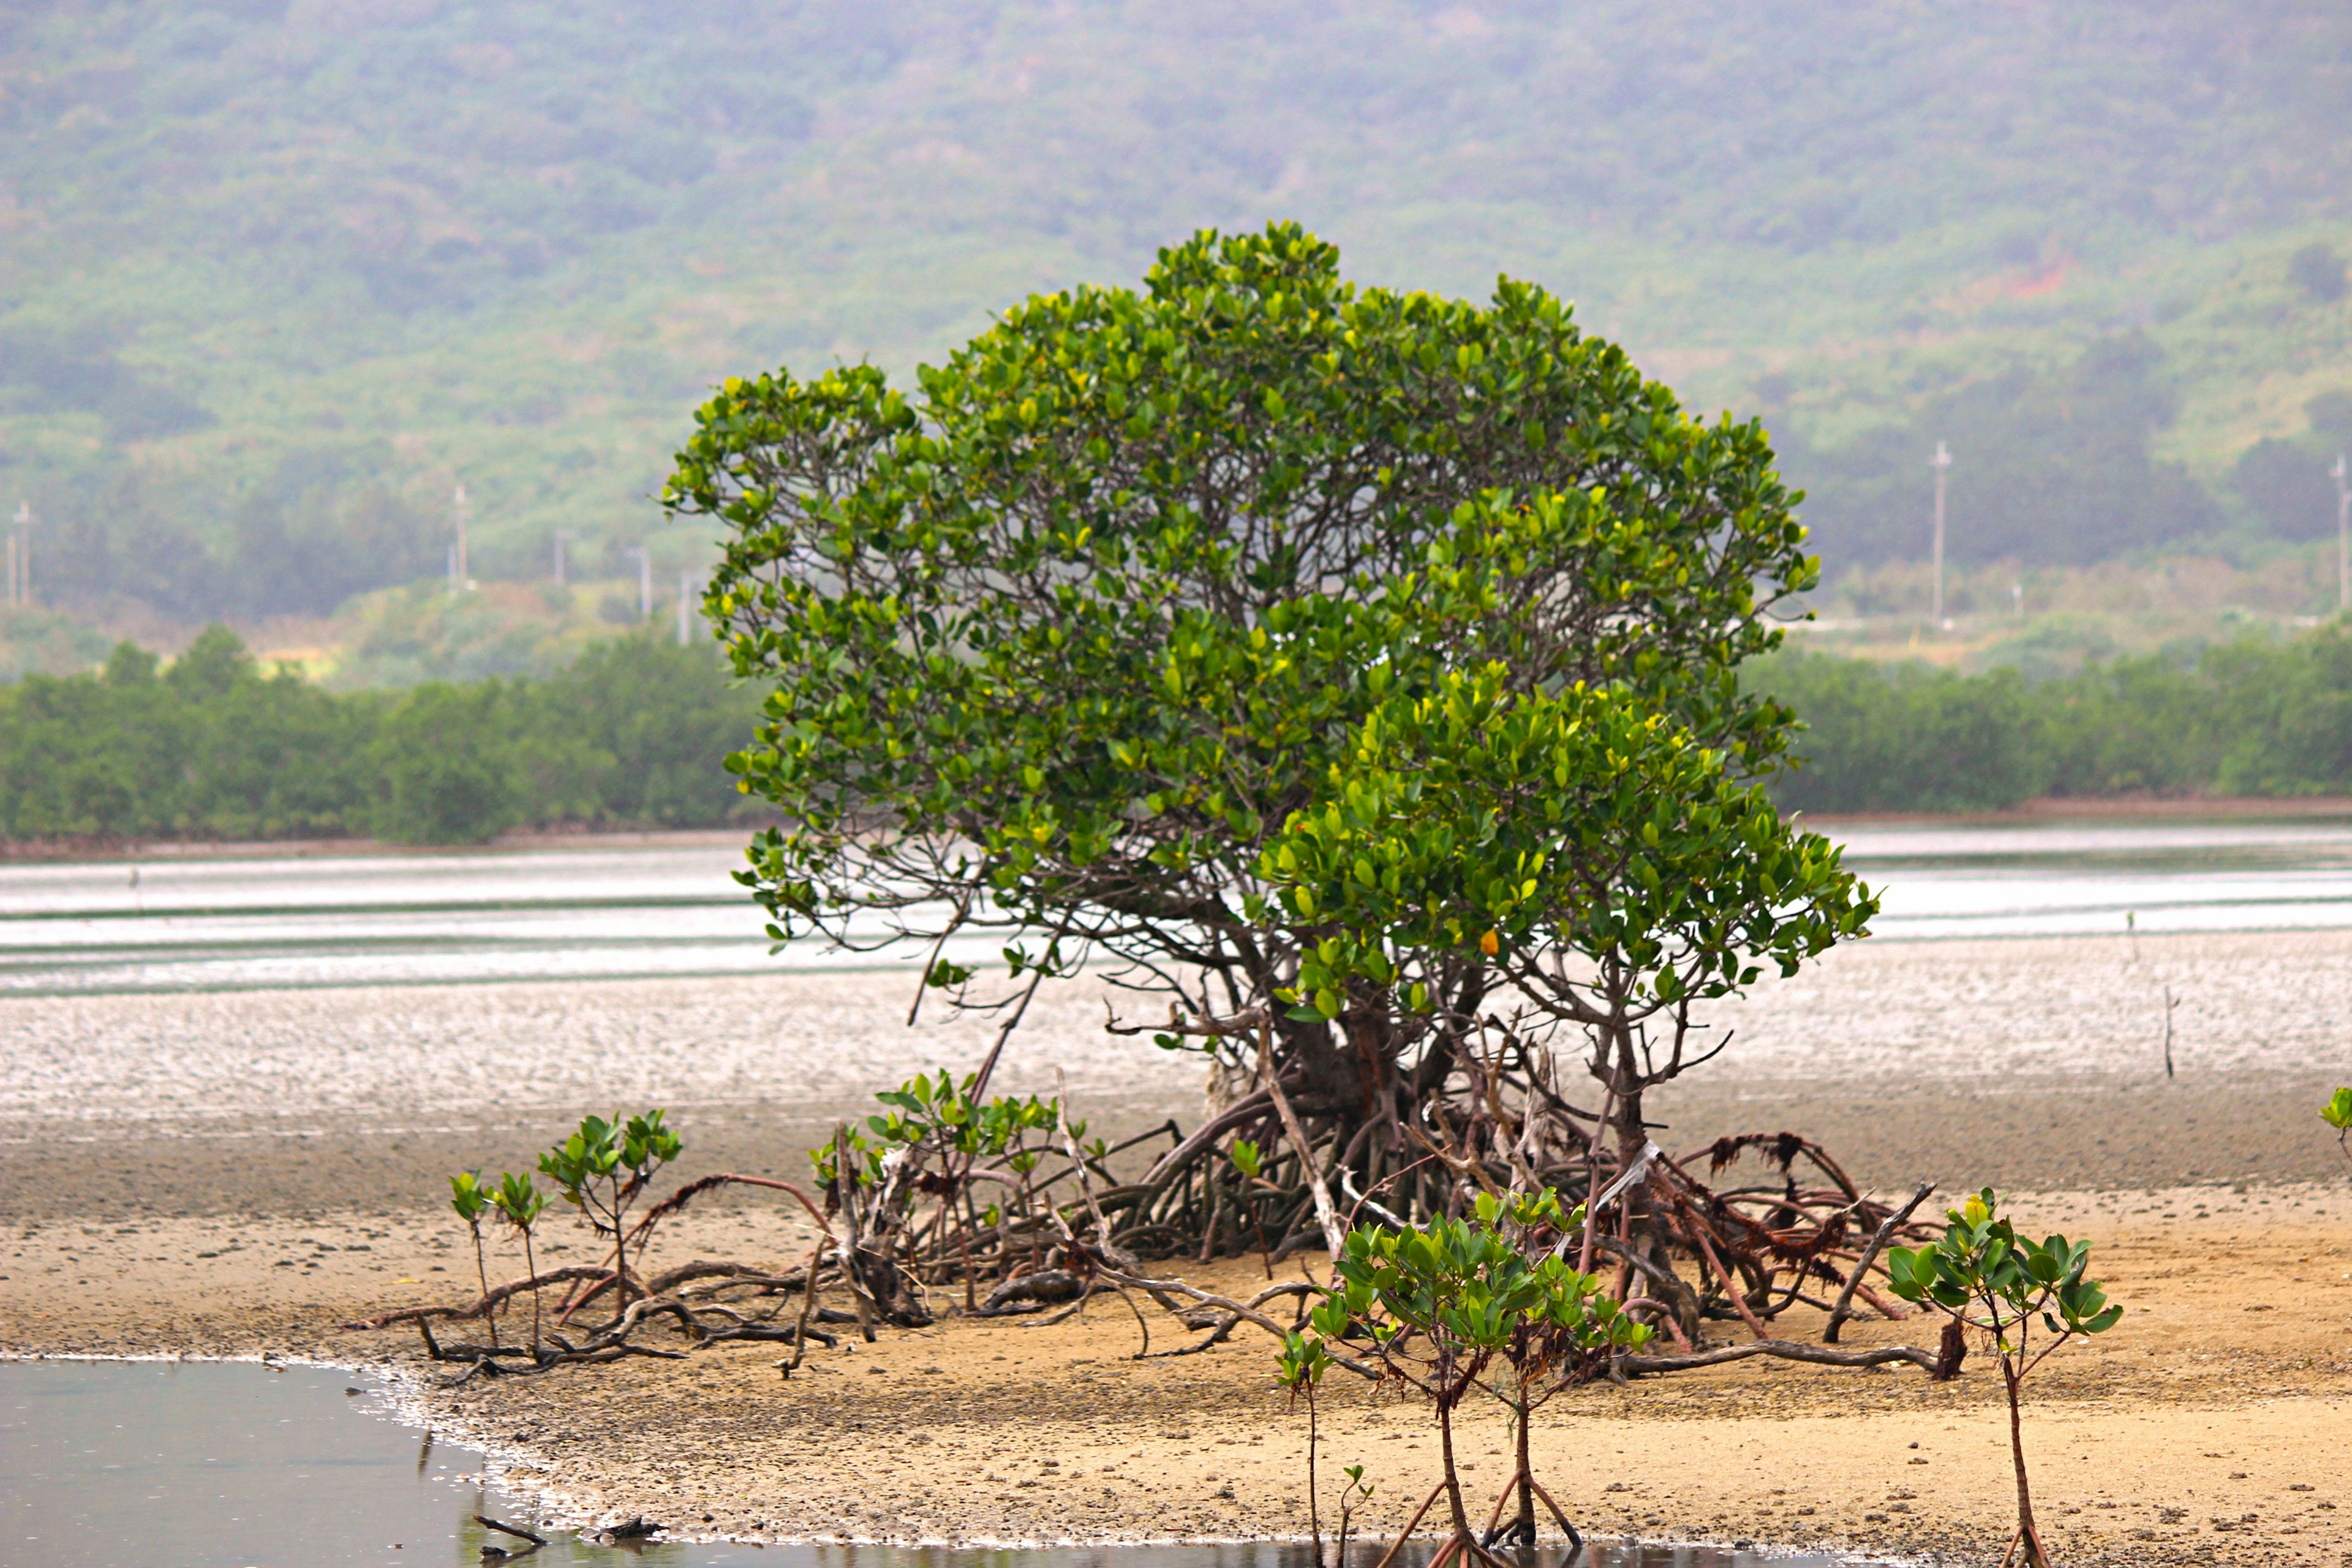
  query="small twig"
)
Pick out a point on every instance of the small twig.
point(1893, 1223)
point(487, 1523)
point(1334, 1237)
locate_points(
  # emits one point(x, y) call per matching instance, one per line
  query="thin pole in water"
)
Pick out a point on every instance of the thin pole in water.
point(20, 556)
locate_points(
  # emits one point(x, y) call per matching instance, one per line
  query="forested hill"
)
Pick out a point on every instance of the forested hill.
point(275, 274)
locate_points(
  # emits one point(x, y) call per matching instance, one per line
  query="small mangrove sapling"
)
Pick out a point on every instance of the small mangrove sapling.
point(469, 1198)
point(1354, 1495)
point(604, 1167)
point(518, 1200)
point(1248, 1164)
point(1575, 1322)
point(2338, 1114)
point(1445, 1301)
point(1984, 1276)
point(1301, 1363)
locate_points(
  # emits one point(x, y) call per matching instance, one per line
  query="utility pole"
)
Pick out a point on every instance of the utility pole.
point(2343, 537)
point(561, 539)
point(685, 591)
point(1943, 462)
point(644, 582)
point(20, 557)
point(461, 574)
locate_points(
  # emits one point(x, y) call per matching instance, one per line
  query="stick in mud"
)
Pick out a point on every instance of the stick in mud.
point(1878, 1240)
point(487, 1523)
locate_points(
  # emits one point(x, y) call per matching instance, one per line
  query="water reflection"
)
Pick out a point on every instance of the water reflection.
point(216, 1465)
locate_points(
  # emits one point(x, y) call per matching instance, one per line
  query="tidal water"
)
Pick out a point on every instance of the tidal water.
point(231, 1465)
point(592, 910)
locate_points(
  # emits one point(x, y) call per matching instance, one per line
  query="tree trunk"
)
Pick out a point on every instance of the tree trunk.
point(1525, 1529)
point(2027, 1536)
point(1453, 1480)
point(1313, 1506)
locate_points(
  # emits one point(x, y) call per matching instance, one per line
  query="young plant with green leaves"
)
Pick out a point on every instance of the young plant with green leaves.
point(1577, 1329)
point(1299, 1368)
point(471, 1198)
point(1250, 1190)
point(2338, 1114)
point(1448, 1304)
point(1987, 1279)
point(935, 1120)
point(1577, 844)
point(1058, 641)
point(520, 1202)
point(602, 1169)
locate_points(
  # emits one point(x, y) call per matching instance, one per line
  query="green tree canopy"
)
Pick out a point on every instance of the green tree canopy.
point(1060, 641)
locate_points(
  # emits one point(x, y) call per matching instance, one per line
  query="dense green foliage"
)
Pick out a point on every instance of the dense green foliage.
point(2253, 718)
point(212, 748)
point(1063, 647)
point(274, 276)
point(1611, 869)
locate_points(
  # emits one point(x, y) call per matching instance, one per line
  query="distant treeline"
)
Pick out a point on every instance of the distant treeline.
point(213, 747)
point(2248, 719)
point(633, 734)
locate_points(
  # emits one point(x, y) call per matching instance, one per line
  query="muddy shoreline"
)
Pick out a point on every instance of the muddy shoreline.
point(2228, 1392)
point(237, 1174)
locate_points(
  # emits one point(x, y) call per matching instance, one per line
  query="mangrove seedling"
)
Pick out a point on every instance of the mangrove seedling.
point(469, 1198)
point(604, 1167)
point(1576, 1324)
point(518, 1200)
point(1302, 1364)
point(1441, 1302)
point(1984, 1277)
point(1354, 1495)
point(1248, 1162)
point(2338, 1114)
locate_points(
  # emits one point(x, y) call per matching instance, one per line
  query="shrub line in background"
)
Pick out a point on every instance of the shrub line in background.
point(2249, 718)
point(212, 748)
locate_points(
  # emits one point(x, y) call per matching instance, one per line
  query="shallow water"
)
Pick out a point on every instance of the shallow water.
point(2075, 879)
point(605, 910)
point(224, 1465)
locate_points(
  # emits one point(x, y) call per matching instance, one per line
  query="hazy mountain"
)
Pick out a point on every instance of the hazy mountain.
point(274, 276)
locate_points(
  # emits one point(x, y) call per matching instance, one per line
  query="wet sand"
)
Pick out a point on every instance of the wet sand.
point(237, 1173)
point(2208, 1426)
point(2030, 1063)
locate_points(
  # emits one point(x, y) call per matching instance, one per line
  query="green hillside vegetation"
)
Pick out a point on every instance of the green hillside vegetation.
point(275, 275)
point(633, 733)
point(2253, 717)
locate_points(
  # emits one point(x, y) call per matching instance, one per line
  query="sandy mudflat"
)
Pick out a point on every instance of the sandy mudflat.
point(236, 1173)
point(2021, 1062)
point(2209, 1425)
